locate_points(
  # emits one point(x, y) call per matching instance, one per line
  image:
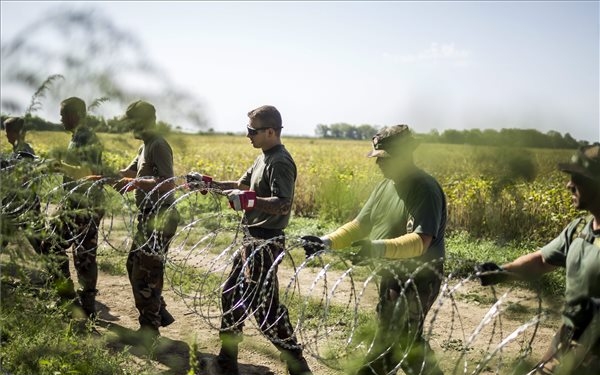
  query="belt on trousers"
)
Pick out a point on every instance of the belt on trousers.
point(265, 233)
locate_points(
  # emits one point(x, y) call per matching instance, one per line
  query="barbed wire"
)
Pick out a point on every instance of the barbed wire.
point(331, 301)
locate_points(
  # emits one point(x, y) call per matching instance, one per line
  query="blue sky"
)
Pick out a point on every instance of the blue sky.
point(432, 65)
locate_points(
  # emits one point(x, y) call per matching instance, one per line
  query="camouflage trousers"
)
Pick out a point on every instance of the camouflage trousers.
point(146, 262)
point(568, 356)
point(252, 287)
point(78, 228)
point(403, 305)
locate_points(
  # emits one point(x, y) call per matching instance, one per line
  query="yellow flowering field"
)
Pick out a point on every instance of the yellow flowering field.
point(492, 192)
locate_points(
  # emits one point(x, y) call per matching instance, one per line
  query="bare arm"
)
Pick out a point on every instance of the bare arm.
point(529, 265)
point(228, 185)
point(274, 205)
point(147, 184)
point(426, 238)
point(127, 173)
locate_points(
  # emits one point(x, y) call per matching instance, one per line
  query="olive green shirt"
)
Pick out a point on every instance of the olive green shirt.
point(85, 149)
point(273, 174)
point(417, 204)
point(579, 254)
point(154, 160)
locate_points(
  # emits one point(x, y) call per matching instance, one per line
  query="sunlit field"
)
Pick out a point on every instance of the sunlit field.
point(501, 194)
point(501, 203)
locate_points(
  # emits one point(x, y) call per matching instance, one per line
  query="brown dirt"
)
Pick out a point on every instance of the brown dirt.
point(451, 323)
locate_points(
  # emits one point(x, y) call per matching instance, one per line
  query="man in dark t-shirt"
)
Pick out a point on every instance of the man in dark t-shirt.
point(403, 222)
point(265, 192)
point(151, 175)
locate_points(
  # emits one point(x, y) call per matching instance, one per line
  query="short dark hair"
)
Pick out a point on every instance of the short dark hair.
point(74, 104)
point(14, 124)
point(268, 116)
point(142, 111)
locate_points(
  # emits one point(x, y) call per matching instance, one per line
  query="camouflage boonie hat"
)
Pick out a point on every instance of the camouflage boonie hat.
point(586, 162)
point(391, 140)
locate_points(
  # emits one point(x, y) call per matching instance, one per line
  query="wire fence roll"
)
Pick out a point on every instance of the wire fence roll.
point(333, 305)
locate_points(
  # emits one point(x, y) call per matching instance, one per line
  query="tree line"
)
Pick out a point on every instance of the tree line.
point(345, 131)
point(486, 137)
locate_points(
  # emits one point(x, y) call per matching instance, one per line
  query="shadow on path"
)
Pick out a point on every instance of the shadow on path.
point(104, 312)
point(174, 354)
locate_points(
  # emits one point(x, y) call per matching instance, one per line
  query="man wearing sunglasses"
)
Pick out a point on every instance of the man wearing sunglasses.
point(265, 193)
point(576, 346)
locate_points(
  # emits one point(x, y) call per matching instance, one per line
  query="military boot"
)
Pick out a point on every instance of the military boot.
point(87, 299)
point(166, 318)
point(296, 363)
point(226, 362)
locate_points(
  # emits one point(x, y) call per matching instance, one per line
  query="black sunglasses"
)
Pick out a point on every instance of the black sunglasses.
point(579, 179)
point(254, 131)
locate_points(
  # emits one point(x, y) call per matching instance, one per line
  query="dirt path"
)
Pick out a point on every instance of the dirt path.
point(118, 318)
point(461, 327)
point(453, 322)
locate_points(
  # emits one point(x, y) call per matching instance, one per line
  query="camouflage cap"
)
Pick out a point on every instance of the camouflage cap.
point(140, 111)
point(586, 162)
point(391, 140)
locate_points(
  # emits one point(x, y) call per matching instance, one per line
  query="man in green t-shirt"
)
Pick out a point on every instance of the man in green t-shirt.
point(151, 175)
point(265, 192)
point(403, 223)
point(576, 346)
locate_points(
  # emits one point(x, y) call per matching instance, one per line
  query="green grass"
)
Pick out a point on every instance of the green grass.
point(497, 212)
point(39, 337)
point(464, 252)
point(112, 264)
point(492, 193)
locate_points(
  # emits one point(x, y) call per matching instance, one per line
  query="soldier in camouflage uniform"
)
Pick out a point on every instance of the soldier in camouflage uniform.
point(266, 195)
point(575, 348)
point(80, 211)
point(151, 175)
point(403, 222)
point(21, 207)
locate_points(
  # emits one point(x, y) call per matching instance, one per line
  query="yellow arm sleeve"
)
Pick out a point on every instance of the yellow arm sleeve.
point(406, 246)
point(345, 235)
